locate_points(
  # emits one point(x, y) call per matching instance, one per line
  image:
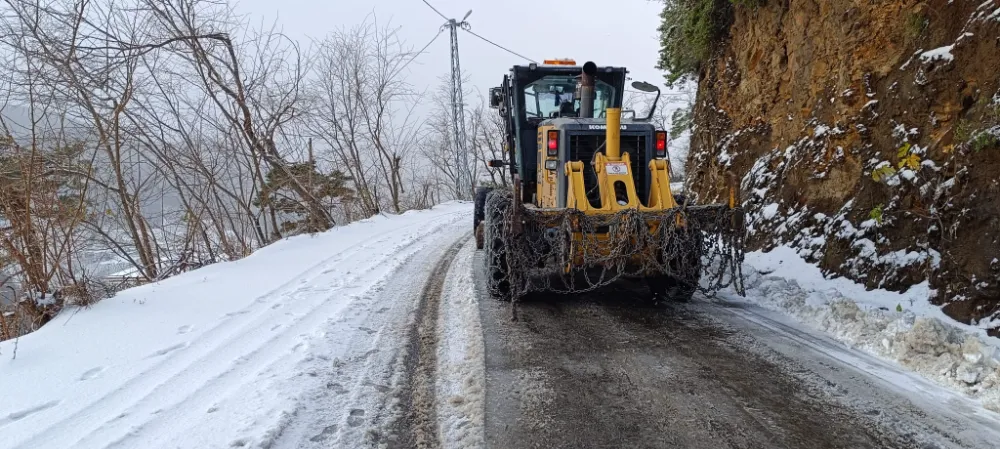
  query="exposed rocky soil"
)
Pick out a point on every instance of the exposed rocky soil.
point(867, 136)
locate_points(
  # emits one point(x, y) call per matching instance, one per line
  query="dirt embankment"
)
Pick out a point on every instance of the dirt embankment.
point(867, 136)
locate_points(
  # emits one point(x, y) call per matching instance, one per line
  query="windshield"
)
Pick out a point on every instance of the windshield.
point(558, 96)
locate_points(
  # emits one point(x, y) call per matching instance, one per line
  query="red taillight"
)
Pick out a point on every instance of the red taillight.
point(661, 144)
point(553, 143)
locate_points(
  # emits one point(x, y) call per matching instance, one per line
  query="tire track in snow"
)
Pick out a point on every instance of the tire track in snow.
point(182, 374)
point(420, 426)
point(378, 268)
point(359, 400)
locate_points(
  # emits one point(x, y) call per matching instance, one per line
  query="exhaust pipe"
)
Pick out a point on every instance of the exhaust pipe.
point(587, 83)
point(588, 80)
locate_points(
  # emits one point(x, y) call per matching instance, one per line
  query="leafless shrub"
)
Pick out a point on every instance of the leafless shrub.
point(160, 136)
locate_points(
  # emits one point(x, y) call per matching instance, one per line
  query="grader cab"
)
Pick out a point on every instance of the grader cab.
point(590, 199)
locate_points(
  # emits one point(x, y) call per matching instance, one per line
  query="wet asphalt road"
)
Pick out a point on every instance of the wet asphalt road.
point(607, 370)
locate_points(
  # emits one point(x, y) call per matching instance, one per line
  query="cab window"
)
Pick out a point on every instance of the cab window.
point(558, 96)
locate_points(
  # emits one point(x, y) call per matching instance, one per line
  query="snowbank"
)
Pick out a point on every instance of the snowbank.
point(901, 327)
point(461, 377)
point(215, 357)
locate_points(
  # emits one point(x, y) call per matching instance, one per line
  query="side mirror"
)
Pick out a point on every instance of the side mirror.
point(496, 163)
point(495, 97)
point(646, 87)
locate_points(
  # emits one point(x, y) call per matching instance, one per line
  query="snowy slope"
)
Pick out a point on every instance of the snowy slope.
point(232, 354)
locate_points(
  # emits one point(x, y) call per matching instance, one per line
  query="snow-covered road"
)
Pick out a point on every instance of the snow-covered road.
point(299, 344)
point(378, 334)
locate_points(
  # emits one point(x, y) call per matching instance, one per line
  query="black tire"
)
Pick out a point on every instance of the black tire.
point(496, 208)
point(686, 267)
point(479, 204)
point(666, 287)
point(669, 288)
point(660, 289)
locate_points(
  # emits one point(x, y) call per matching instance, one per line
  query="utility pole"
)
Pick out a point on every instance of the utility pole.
point(463, 180)
point(463, 186)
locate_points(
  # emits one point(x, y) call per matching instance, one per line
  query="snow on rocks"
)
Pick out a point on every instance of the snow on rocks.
point(943, 53)
point(769, 211)
point(901, 327)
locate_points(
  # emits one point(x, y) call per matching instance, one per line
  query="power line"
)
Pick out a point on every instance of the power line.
point(435, 9)
point(422, 50)
point(457, 102)
point(463, 179)
point(474, 34)
point(500, 46)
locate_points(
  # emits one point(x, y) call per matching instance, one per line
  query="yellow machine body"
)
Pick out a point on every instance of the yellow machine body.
point(590, 195)
point(616, 184)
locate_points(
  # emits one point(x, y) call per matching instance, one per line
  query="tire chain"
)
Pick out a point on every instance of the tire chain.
point(532, 258)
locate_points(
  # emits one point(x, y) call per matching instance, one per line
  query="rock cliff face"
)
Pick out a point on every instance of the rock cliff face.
point(867, 136)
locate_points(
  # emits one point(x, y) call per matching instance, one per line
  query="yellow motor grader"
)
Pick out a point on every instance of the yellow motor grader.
point(590, 199)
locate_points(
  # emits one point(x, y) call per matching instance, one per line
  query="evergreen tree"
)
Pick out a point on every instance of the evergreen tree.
point(278, 194)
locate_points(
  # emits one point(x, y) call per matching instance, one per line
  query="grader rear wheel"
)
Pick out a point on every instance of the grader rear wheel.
point(479, 205)
point(496, 232)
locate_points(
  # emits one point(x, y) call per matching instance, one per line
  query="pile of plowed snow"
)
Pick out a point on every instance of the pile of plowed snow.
point(901, 327)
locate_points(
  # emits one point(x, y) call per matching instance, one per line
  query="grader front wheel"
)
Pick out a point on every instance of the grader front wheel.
point(682, 255)
point(668, 288)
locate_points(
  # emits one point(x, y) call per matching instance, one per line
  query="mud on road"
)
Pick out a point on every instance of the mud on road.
point(608, 370)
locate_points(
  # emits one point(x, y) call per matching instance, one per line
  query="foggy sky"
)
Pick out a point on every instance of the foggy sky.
point(621, 33)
